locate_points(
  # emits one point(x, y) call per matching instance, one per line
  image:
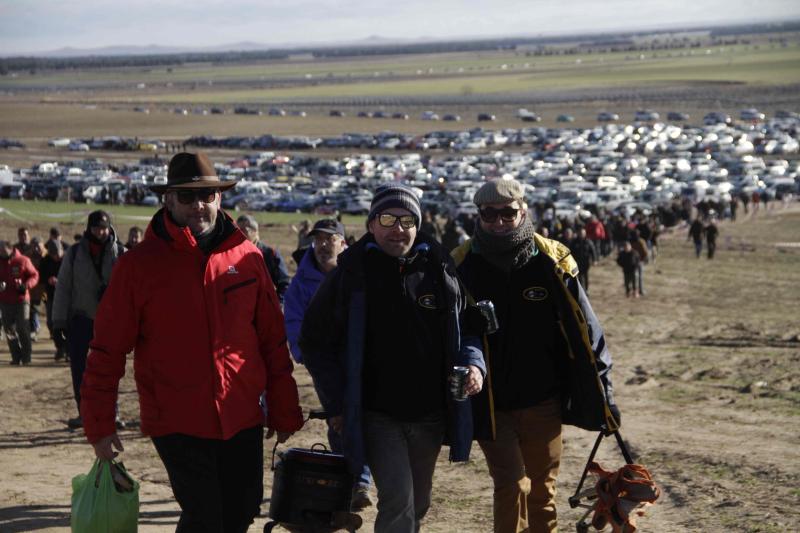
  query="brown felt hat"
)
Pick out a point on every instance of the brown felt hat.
point(192, 171)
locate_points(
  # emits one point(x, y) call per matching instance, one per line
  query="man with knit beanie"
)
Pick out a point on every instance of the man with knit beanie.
point(83, 277)
point(547, 364)
point(379, 338)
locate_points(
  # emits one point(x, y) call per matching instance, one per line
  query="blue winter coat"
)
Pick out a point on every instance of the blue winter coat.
point(305, 283)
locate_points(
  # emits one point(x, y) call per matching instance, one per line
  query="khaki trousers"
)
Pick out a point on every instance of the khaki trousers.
point(523, 463)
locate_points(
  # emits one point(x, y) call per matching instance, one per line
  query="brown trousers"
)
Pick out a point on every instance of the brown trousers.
point(523, 462)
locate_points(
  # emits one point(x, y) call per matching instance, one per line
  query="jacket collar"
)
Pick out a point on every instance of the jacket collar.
point(424, 248)
point(162, 227)
point(308, 269)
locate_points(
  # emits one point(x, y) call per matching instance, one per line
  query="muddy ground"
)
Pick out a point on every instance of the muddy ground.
point(706, 374)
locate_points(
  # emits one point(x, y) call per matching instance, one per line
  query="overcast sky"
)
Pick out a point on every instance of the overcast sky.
point(43, 25)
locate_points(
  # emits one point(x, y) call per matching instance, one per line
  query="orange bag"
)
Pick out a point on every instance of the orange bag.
point(621, 496)
point(618, 496)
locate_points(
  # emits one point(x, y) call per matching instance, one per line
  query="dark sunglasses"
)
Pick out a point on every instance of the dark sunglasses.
point(190, 196)
point(490, 214)
point(388, 220)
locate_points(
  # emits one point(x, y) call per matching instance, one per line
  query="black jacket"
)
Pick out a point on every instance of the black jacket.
point(586, 390)
point(332, 340)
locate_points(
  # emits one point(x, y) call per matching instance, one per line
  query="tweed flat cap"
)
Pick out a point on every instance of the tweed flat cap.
point(499, 191)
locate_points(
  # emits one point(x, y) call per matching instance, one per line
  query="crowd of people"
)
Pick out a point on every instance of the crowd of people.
point(384, 324)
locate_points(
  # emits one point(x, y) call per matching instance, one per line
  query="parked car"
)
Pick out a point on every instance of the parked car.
point(677, 116)
point(607, 116)
point(336, 113)
point(645, 115)
point(530, 117)
point(486, 117)
point(400, 116)
point(451, 118)
point(565, 118)
point(429, 115)
point(752, 115)
point(716, 117)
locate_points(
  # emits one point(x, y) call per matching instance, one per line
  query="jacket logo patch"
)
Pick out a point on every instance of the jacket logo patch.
point(232, 270)
point(428, 301)
point(535, 294)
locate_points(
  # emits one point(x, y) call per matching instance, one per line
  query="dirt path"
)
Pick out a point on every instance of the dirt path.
point(706, 374)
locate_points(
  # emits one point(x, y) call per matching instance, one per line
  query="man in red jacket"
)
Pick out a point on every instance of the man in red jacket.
point(196, 305)
point(17, 277)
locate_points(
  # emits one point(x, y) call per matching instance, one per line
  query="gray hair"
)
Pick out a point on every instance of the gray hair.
point(247, 221)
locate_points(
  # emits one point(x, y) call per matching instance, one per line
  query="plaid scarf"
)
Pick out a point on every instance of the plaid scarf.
point(510, 251)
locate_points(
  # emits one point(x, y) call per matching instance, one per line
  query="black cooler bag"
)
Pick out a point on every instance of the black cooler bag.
point(309, 486)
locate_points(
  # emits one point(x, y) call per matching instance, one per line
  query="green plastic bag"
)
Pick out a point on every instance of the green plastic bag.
point(98, 506)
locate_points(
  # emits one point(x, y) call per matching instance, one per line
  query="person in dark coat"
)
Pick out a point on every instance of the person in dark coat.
point(379, 339)
point(696, 233)
point(549, 363)
point(48, 277)
point(320, 259)
point(585, 255)
point(712, 232)
point(628, 260)
point(272, 257)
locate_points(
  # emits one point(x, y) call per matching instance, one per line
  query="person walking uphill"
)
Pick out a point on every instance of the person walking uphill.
point(328, 242)
point(17, 277)
point(82, 279)
point(379, 339)
point(547, 363)
point(276, 267)
point(195, 304)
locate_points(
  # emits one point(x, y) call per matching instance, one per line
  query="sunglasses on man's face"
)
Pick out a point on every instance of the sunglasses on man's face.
point(387, 220)
point(190, 196)
point(507, 214)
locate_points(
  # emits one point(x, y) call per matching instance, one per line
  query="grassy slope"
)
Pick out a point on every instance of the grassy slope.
point(453, 74)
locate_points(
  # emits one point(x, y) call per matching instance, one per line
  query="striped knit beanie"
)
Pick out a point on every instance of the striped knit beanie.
point(395, 195)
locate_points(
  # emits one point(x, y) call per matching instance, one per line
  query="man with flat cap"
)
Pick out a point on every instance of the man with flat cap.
point(547, 363)
point(84, 274)
point(380, 338)
point(195, 304)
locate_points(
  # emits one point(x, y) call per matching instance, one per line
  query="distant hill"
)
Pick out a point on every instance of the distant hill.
point(243, 46)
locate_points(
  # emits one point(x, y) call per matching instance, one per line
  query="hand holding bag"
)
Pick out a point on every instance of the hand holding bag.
point(106, 500)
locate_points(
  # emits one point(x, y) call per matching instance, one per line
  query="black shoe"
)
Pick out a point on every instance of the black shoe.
point(75, 423)
point(15, 363)
point(120, 423)
point(26, 363)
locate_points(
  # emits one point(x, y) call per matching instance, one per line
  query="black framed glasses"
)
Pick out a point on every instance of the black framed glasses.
point(189, 196)
point(490, 214)
point(388, 220)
